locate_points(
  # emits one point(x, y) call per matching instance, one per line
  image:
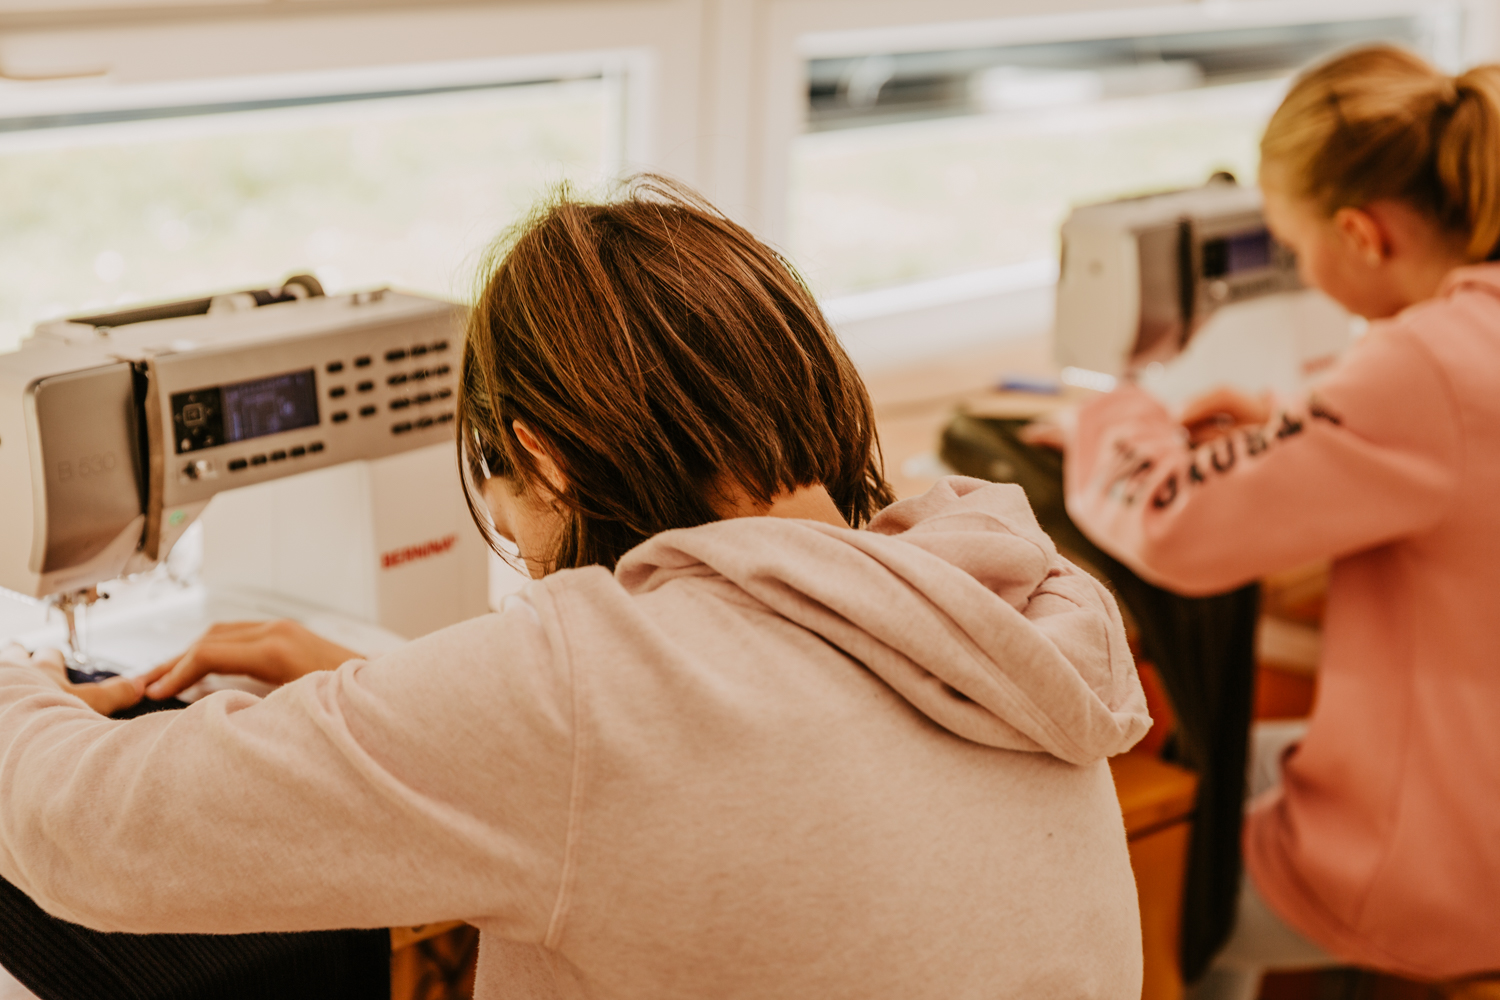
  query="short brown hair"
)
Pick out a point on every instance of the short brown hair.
point(661, 351)
point(1379, 122)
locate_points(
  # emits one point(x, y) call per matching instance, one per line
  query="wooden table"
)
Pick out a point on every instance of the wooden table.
point(1157, 801)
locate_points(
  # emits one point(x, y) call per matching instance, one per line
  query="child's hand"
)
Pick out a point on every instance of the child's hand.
point(276, 652)
point(106, 697)
point(1052, 431)
point(1216, 413)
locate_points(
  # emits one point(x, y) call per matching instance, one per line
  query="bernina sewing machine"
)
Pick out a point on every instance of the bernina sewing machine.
point(309, 436)
point(1185, 291)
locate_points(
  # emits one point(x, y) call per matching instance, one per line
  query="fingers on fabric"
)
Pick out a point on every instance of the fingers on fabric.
point(109, 695)
point(276, 652)
point(223, 656)
point(105, 697)
point(1044, 434)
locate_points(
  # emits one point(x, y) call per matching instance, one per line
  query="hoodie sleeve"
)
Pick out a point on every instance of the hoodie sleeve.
point(430, 784)
point(1371, 456)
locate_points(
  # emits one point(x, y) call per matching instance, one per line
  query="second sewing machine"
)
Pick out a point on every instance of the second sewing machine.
point(306, 440)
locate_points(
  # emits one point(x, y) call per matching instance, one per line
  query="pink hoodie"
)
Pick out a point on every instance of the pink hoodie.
point(1383, 844)
point(765, 758)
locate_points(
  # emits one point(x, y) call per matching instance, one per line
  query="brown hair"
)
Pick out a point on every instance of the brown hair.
point(662, 352)
point(1379, 122)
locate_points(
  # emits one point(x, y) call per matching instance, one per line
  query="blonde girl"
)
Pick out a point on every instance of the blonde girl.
point(1379, 842)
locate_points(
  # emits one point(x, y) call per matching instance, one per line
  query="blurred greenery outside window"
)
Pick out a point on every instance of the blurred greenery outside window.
point(924, 165)
point(405, 191)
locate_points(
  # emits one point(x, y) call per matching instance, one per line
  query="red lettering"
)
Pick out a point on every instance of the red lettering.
point(411, 553)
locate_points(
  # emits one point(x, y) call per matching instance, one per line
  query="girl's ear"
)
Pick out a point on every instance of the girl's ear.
point(533, 443)
point(1363, 236)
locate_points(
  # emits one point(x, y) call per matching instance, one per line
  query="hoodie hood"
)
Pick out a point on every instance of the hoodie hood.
point(956, 599)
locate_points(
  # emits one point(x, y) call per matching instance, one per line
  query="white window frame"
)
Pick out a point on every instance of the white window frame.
point(649, 48)
point(713, 91)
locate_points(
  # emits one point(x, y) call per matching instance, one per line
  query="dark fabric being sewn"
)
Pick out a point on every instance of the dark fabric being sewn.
point(1202, 647)
point(57, 960)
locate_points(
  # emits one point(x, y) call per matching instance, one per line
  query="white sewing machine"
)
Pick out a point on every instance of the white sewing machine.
point(1186, 291)
point(309, 437)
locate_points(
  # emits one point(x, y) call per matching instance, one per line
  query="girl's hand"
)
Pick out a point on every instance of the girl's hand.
point(105, 697)
point(1052, 431)
point(276, 652)
point(1216, 413)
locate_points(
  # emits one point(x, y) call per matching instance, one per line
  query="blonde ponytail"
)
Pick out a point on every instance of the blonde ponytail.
point(1378, 123)
point(1468, 158)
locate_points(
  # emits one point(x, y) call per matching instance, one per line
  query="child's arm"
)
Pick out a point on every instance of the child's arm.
point(430, 784)
point(1371, 456)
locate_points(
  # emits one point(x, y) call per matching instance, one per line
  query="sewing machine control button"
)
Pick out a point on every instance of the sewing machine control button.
point(441, 370)
point(400, 428)
point(396, 354)
point(367, 411)
point(315, 447)
point(417, 350)
point(443, 418)
point(441, 345)
point(422, 397)
point(334, 367)
point(400, 404)
point(257, 460)
point(299, 451)
point(236, 464)
point(337, 392)
point(425, 422)
point(201, 469)
point(397, 379)
point(363, 361)
point(278, 455)
point(444, 393)
point(340, 416)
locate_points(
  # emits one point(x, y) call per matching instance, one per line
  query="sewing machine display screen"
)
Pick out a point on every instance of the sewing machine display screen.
point(1236, 254)
point(206, 418)
point(270, 405)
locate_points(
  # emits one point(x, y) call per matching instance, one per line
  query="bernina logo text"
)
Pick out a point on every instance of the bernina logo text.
point(412, 553)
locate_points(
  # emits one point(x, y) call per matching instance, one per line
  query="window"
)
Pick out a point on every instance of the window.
point(920, 165)
point(402, 181)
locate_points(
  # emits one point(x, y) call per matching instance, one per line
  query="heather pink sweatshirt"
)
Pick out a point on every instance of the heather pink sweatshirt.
point(765, 758)
point(1383, 845)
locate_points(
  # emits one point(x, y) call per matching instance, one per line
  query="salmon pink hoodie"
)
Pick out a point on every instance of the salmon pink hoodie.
point(1383, 842)
point(764, 758)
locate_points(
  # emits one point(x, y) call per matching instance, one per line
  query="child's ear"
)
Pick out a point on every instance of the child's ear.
point(535, 444)
point(1364, 236)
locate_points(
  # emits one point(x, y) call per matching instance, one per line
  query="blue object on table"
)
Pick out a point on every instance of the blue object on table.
point(1012, 382)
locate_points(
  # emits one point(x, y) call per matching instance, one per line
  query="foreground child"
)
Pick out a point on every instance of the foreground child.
point(746, 735)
